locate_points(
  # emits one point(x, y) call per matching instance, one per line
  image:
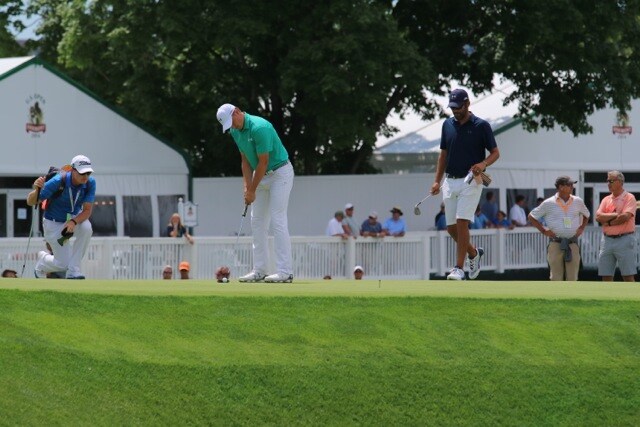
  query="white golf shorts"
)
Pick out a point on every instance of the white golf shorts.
point(460, 199)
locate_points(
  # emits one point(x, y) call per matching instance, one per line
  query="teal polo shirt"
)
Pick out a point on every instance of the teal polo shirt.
point(256, 137)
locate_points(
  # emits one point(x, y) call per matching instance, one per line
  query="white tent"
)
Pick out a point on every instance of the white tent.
point(46, 118)
point(415, 147)
point(529, 162)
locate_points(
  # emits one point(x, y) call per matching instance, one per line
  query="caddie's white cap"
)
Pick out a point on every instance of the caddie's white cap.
point(348, 206)
point(224, 116)
point(81, 163)
point(373, 214)
point(357, 267)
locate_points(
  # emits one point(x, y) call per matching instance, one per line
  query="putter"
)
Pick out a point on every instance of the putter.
point(34, 213)
point(416, 208)
point(235, 247)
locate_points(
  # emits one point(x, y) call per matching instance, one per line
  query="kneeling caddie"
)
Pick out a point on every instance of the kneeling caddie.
point(70, 196)
point(566, 216)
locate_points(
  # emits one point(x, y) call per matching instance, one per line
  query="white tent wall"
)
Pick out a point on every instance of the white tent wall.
point(143, 185)
point(127, 160)
point(75, 123)
point(557, 149)
point(314, 199)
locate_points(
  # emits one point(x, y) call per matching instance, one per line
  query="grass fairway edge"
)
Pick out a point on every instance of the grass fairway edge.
point(363, 288)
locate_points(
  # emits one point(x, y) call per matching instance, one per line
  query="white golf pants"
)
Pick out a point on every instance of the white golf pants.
point(270, 208)
point(69, 256)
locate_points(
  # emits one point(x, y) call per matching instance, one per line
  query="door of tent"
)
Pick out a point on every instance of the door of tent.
point(15, 216)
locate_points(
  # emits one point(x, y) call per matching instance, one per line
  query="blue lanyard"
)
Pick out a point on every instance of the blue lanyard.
point(72, 201)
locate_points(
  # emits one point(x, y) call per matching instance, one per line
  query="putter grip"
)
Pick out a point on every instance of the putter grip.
point(245, 210)
point(486, 179)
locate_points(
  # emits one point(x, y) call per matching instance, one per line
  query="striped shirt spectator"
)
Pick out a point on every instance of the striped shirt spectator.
point(561, 217)
point(566, 217)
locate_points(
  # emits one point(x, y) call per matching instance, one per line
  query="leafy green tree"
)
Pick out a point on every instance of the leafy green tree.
point(326, 75)
point(567, 58)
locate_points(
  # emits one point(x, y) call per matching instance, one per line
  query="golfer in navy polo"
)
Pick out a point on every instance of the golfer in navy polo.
point(465, 140)
point(67, 213)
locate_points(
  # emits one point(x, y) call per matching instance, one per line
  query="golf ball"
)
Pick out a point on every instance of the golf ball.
point(225, 280)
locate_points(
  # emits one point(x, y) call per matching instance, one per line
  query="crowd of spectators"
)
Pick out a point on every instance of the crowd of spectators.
point(344, 225)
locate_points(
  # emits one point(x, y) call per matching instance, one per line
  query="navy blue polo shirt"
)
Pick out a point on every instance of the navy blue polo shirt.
point(466, 144)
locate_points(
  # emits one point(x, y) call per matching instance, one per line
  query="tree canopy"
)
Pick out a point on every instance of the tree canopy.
point(10, 24)
point(567, 58)
point(327, 74)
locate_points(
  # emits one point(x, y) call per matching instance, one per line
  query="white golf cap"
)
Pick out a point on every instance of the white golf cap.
point(224, 116)
point(358, 267)
point(373, 214)
point(348, 206)
point(81, 163)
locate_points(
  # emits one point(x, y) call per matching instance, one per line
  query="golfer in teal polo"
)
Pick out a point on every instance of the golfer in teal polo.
point(268, 179)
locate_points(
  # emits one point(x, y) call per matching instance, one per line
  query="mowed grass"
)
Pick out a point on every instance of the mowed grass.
point(93, 359)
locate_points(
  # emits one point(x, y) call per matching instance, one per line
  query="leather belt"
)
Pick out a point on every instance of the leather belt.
point(278, 166)
point(54, 220)
point(619, 235)
point(573, 239)
point(448, 175)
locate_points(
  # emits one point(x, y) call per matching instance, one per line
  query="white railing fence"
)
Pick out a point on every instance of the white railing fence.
point(414, 256)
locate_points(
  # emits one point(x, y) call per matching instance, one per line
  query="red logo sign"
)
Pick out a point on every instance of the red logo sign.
point(36, 125)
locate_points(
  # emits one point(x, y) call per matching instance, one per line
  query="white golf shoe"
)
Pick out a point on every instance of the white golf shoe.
point(456, 274)
point(279, 278)
point(474, 264)
point(252, 277)
point(39, 273)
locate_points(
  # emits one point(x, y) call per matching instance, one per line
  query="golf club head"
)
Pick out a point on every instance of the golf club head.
point(416, 208)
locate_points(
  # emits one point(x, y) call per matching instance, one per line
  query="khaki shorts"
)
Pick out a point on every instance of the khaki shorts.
point(620, 251)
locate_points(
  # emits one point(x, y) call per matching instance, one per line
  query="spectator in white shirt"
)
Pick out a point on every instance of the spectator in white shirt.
point(517, 214)
point(334, 228)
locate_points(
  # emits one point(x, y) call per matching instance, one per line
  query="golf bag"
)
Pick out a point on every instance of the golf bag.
point(53, 171)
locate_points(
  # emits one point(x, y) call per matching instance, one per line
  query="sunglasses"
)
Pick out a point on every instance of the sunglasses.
point(611, 181)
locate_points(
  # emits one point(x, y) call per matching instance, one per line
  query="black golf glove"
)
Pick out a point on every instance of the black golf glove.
point(65, 235)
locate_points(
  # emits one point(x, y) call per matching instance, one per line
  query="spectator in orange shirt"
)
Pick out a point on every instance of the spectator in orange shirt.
point(617, 214)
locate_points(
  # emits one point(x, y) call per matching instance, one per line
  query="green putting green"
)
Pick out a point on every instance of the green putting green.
point(350, 288)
